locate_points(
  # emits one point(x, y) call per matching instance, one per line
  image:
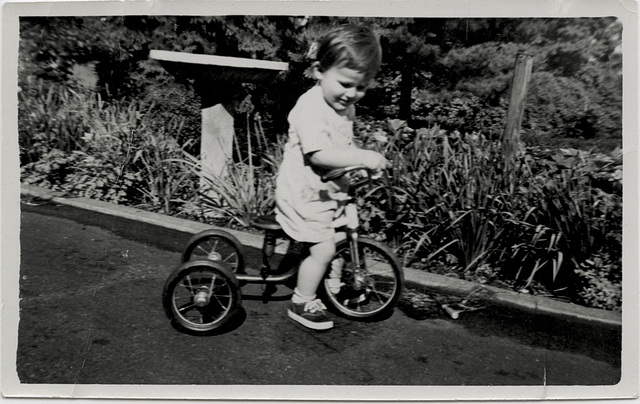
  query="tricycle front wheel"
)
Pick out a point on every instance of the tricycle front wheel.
point(368, 292)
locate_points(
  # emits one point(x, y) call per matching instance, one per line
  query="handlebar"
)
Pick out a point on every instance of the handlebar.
point(339, 172)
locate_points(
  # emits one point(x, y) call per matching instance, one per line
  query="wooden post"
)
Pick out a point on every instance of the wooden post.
point(511, 136)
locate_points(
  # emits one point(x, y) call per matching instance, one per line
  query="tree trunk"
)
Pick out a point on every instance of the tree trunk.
point(406, 86)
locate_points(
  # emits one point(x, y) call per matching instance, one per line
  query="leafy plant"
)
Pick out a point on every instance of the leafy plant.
point(600, 282)
point(244, 190)
point(165, 181)
point(50, 171)
point(50, 117)
point(124, 153)
point(449, 201)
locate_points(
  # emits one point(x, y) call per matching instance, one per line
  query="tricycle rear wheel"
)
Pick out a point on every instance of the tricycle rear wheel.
point(201, 296)
point(216, 245)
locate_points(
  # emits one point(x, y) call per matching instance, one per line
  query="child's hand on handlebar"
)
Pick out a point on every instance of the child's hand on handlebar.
point(377, 175)
point(376, 163)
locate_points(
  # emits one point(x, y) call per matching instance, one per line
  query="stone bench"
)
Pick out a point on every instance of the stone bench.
point(217, 80)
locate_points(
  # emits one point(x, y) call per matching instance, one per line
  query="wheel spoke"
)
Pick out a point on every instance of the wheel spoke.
point(216, 244)
point(199, 247)
point(224, 307)
point(190, 287)
point(186, 307)
point(377, 294)
point(233, 254)
point(212, 285)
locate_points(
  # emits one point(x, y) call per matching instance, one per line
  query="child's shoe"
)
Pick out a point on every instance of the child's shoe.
point(310, 314)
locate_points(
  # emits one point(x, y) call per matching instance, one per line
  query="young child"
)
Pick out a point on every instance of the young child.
point(320, 139)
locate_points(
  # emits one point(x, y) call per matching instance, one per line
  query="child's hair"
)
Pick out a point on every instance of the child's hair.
point(352, 46)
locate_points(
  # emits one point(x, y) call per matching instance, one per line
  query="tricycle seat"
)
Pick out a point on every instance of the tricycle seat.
point(267, 222)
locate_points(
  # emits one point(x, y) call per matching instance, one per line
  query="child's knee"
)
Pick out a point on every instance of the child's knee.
point(323, 252)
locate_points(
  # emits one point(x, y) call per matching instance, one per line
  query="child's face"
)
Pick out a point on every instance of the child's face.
point(341, 86)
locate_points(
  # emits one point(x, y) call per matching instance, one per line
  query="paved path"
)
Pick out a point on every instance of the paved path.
point(91, 310)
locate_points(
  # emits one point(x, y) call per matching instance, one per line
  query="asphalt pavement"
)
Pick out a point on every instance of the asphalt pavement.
point(90, 288)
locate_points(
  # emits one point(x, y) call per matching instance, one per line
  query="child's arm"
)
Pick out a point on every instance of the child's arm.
point(341, 157)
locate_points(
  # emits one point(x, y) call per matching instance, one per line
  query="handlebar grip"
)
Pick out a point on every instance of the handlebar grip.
point(339, 172)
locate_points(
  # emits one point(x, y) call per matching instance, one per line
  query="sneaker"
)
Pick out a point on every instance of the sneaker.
point(348, 296)
point(310, 314)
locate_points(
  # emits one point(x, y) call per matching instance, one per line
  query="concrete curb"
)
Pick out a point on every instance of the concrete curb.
point(414, 278)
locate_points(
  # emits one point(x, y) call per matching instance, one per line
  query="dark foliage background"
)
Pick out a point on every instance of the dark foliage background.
point(453, 72)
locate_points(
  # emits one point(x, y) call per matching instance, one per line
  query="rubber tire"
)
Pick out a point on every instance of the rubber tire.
point(387, 308)
point(230, 239)
point(224, 273)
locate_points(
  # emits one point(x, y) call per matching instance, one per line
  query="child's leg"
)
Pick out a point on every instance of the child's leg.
point(305, 308)
point(313, 267)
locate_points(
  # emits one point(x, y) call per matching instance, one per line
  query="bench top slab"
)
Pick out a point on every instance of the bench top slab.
point(218, 68)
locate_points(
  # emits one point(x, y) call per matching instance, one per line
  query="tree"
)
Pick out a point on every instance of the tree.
point(576, 85)
point(429, 64)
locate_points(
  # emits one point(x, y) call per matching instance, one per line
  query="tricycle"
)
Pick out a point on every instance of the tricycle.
point(203, 294)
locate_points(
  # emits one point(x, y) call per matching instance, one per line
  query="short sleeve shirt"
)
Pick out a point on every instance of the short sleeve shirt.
point(305, 205)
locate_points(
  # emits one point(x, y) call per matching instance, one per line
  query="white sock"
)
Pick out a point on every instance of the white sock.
point(298, 298)
point(334, 285)
point(334, 281)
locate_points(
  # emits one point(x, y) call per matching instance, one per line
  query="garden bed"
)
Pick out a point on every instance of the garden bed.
point(551, 224)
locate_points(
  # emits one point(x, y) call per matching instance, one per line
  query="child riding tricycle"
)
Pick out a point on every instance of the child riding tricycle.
point(357, 278)
point(204, 293)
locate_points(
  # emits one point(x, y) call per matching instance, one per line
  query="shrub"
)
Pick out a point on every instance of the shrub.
point(124, 154)
point(449, 200)
point(246, 189)
point(600, 282)
point(583, 210)
point(50, 117)
point(50, 171)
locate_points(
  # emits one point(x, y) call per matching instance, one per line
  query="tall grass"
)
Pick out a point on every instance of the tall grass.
point(245, 189)
point(120, 151)
point(453, 202)
point(49, 117)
